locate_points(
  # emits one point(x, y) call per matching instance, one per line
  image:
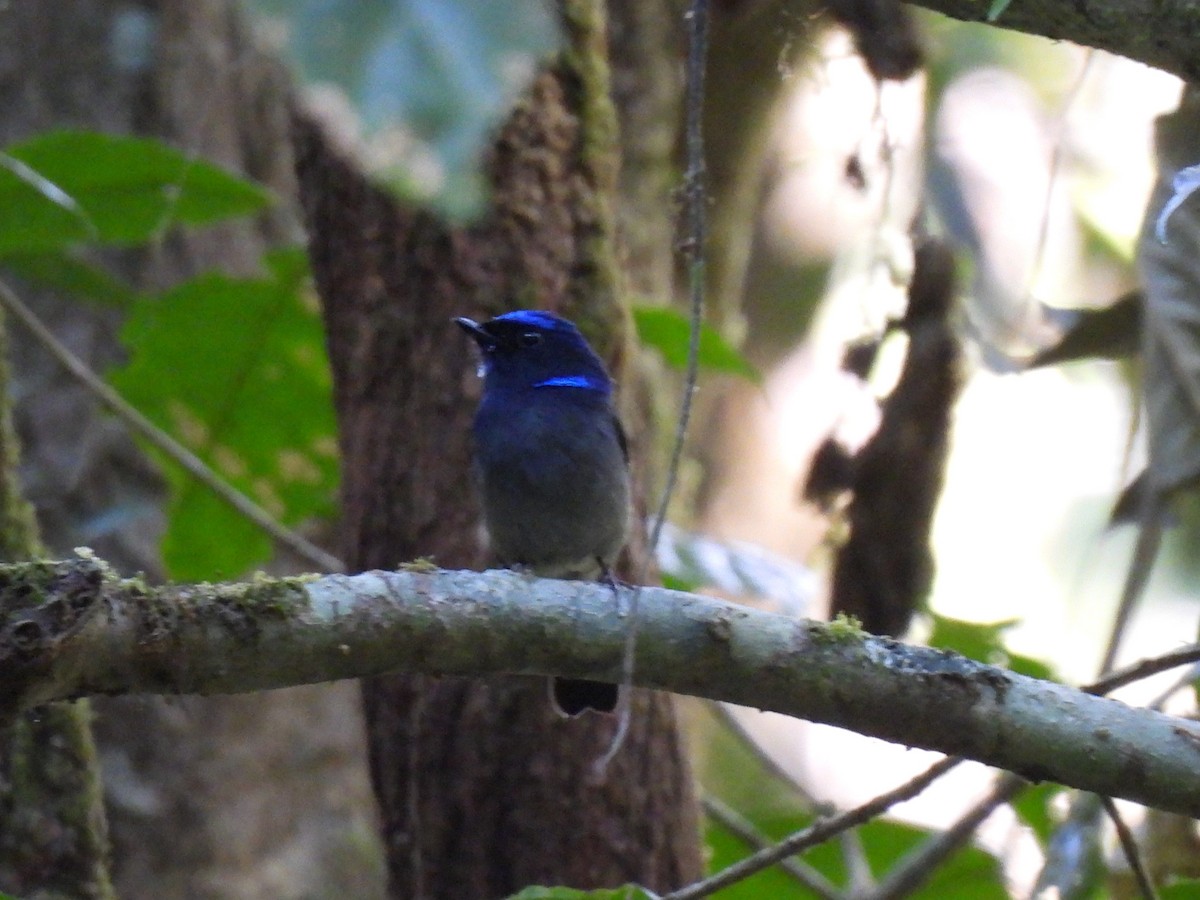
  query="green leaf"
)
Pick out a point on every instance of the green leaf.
point(675, 583)
point(32, 218)
point(628, 892)
point(737, 773)
point(50, 191)
point(1033, 806)
point(985, 642)
point(970, 874)
point(725, 849)
point(118, 190)
point(66, 271)
point(773, 808)
point(1184, 889)
point(236, 370)
point(667, 331)
point(1030, 667)
point(977, 640)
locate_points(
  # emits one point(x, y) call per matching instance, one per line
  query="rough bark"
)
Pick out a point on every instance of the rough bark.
point(482, 789)
point(647, 87)
point(208, 797)
point(646, 51)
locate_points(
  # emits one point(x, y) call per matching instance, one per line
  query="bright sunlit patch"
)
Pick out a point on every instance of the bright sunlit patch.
point(1037, 459)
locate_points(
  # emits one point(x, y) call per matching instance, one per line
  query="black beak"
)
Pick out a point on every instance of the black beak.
point(476, 331)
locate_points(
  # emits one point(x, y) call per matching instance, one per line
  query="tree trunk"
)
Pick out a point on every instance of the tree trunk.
point(207, 797)
point(482, 789)
point(53, 836)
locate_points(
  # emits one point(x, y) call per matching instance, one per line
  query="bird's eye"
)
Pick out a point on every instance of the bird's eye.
point(530, 339)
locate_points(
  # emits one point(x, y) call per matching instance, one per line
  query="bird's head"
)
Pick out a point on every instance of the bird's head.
point(533, 349)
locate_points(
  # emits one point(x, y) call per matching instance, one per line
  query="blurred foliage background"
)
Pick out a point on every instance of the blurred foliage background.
point(1033, 157)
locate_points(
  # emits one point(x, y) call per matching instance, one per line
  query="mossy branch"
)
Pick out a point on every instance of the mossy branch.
point(76, 628)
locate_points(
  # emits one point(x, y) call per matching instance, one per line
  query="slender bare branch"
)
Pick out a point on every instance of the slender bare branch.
point(917, 866)
point(817, 833)
point(1144, 668)
point(1129, 848)
point(746, 832)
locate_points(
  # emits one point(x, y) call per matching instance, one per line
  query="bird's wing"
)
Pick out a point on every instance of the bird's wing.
point(620, 429)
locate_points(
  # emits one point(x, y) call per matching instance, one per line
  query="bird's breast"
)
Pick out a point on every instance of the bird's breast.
point(554, 480)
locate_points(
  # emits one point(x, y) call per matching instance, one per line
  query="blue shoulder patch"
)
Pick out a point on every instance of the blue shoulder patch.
point(538, 319)
point(586, 382)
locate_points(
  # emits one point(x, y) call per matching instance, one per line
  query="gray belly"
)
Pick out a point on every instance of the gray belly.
point(559, 503)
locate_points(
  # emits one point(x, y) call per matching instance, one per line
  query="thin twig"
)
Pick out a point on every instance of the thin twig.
point(745, 831)
point(1130, 848)
point(1185, 680)
point(858, 867)
point(695, 198)
point(1144, 668)
point(820, 831)
point(1151, 511)
point(191, 463)
point(917, 866)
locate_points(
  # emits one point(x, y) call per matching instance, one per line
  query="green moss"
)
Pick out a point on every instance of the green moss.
point(422, 564)
point(842, 628)
point(50, 753)
point(599, 302)
point(262, 595)
point(586, 57)
point(137, 582)
point(26, 585)
point(280, 597)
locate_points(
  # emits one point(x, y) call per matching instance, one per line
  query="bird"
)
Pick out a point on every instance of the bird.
point(552, 462)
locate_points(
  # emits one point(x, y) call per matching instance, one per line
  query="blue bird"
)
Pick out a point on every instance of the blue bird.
point(552, 460)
